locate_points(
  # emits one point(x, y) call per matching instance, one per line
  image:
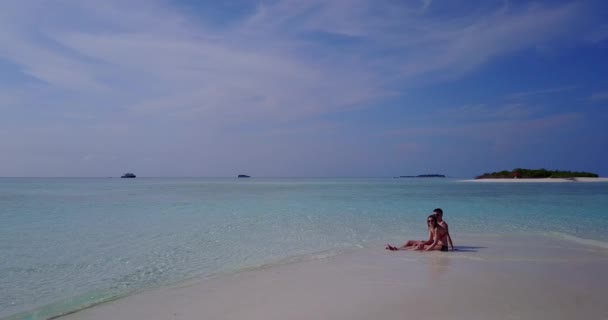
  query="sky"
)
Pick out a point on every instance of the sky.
point(315, 88)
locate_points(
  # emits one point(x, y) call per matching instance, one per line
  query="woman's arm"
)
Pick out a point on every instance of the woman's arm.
point(431, 237)
point(430, 240)
point(433, 242)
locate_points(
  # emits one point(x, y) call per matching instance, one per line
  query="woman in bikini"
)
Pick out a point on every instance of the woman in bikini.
point(437, 239)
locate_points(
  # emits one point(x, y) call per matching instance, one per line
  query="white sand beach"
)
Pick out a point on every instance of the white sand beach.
point(490, 277)
point(541, 180)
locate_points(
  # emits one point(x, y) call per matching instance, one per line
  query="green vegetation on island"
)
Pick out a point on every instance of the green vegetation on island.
point(535, 173)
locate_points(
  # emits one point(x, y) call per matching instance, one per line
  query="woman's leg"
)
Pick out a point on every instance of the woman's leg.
point(412, 243)
point(436, 247)
point(389, 247)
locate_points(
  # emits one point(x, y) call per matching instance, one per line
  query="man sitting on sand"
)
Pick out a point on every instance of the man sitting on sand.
point(439, 214)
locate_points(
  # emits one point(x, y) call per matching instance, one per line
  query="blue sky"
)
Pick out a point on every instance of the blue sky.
point(302, 88)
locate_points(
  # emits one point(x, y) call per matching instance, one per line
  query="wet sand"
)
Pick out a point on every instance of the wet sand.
point(489, 277)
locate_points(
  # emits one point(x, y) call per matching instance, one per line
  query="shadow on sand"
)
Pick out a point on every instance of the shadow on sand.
point(467, 249)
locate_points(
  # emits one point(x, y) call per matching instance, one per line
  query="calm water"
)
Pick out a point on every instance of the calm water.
point(66, 243)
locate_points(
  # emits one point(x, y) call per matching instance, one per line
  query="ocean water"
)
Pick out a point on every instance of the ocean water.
point(69, 243)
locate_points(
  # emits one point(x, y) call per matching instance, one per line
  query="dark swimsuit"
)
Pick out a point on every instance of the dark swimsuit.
point(444, 248)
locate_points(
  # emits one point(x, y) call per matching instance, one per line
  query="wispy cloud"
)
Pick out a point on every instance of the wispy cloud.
point(500, 126)
point(155, 75)
point(486, 112)
point(272, 63)
point(599, 96)
point(492, 130)
point(598, 34)
point(541, 92)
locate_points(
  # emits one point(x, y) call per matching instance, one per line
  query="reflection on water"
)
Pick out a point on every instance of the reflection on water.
point(439, 264)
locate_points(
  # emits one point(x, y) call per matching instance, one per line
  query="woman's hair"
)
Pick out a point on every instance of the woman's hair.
point(434, 219)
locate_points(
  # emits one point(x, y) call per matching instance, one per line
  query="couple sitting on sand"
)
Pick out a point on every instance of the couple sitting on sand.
point(439, 236)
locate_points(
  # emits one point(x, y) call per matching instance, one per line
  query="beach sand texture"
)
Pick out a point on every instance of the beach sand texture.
point(490, 277)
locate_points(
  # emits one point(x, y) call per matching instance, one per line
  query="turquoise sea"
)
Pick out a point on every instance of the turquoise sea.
point(69, 243)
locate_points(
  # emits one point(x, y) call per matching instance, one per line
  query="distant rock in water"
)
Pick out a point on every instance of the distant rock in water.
point(244, 176)
point(128, 175)
point(425, 176)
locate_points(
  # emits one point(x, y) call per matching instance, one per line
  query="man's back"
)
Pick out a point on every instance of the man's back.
point(439, 214)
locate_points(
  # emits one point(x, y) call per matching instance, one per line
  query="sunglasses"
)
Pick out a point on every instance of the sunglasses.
point(430, 221)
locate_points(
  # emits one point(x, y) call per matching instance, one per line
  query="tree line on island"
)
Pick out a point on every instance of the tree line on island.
point(535, 173)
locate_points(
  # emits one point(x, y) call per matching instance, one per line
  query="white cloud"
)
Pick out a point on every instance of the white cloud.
point(163, 59)
point(462, 46)
point(122, 73)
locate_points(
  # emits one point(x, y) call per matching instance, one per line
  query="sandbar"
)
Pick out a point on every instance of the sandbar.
point(489, 277)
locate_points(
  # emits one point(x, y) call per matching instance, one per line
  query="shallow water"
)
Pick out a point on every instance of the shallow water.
point(488, 277)
point(72, 242)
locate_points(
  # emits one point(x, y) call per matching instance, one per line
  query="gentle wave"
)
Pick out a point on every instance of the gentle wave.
point(578, 240)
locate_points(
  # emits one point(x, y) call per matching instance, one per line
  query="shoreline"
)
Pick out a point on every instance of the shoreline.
point(502, 277)
point(540, 180)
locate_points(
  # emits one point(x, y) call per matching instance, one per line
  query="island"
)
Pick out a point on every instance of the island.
point(243, 176)
point(128, 175)
point(521, 173)
point(425, 176)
